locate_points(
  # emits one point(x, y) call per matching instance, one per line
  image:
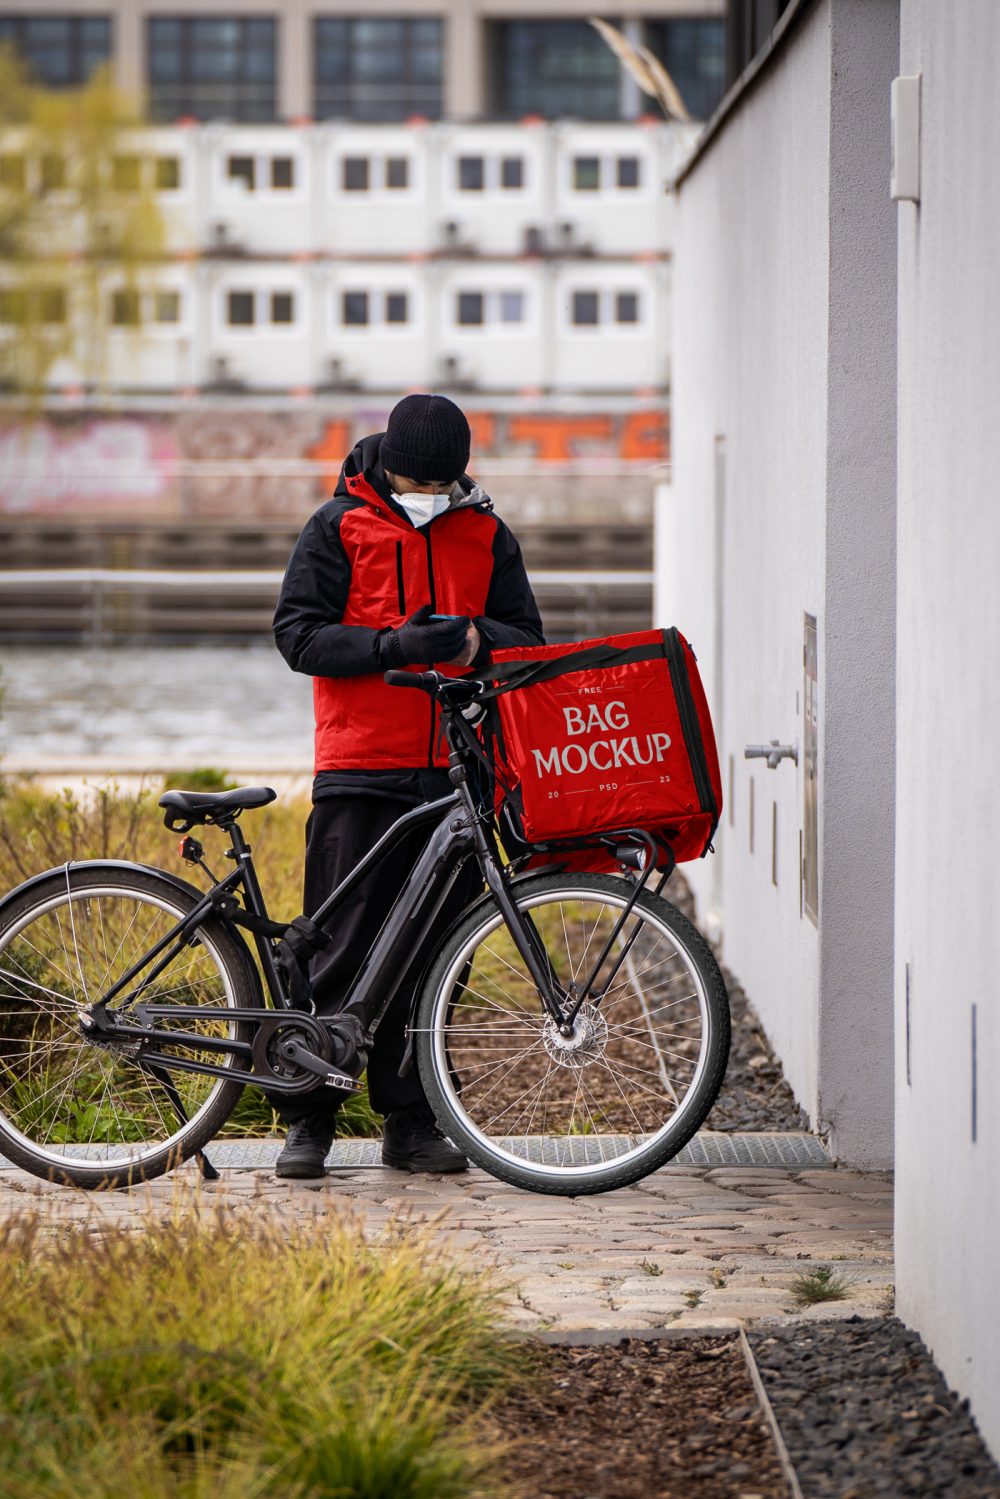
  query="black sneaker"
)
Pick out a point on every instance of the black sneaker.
point(412, 1142)
point(307, 1146)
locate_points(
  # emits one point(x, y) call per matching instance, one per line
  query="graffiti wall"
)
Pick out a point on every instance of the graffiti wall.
point(224, 462)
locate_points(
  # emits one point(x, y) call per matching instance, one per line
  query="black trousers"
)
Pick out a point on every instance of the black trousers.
point(340, 831)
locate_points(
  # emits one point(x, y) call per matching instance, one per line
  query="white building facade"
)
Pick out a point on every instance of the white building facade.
point(948, 708)
point(831, 540)
point(382, 257)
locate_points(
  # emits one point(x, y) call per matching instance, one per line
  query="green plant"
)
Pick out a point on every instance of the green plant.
point(649, 1267)
point(693, 1299)
point(222, 1354)
point(79, 225)
point(822, 1284)
point(717, 1277)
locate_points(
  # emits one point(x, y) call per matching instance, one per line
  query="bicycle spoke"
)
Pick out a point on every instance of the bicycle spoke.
point(596, 1092)
point(67, 1096)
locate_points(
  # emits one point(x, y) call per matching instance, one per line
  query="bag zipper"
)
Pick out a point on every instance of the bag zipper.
point(401, 592)
point(690, 727)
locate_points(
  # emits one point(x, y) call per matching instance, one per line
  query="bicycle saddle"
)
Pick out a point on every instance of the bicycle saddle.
point(186, 809)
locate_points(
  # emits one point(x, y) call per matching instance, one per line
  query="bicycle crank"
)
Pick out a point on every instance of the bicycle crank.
point(298, 1052)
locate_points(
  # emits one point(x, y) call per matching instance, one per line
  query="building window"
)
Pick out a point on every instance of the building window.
point(585, 308)
point(476, 174)
point(354, 309)
point(240, 309)
point(588, 309)
point(628, 172)
point(47, 304)
point(553, 68)
point(512, 173)
point(591, 174)
point(397, 173)
point(167, 307)
point(51, 172)
point(282, 173)
point(512, 307)
point(377, 68)
point(626, 307)
point(362, 174)
point(354, 174)
point(125, 312)
point(13, 172)
point(470, 309)
point(211, 67)
point(363, 309)
point(693, 51)
point(13, 307)
point(242, 169)
point(58, 51)
point(476, 309)
point(397, 308)
point(282, 307)
point(586, 174)
point(126, 174)
point(52, 304)
point(168, 174)
point(471, 174)
point(276, 172)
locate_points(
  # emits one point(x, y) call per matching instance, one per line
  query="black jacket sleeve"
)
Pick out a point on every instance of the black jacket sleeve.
point(307, 628)
point(511, 616)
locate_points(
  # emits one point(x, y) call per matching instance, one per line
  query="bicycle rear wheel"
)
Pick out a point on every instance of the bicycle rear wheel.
point(89, 1113)
point(626, 1091)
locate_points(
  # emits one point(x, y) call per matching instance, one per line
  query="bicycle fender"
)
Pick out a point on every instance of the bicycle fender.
point(178, 882)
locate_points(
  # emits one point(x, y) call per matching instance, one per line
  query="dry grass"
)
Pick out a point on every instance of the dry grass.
point(220, 1354)
point(41, 830)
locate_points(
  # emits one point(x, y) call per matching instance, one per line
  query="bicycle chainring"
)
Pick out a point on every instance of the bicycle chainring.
point(269, 1064)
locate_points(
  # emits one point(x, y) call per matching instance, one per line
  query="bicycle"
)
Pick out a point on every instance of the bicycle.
point(571, 1030)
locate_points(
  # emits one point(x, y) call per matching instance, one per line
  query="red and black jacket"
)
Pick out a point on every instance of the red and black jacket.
point(360, 568)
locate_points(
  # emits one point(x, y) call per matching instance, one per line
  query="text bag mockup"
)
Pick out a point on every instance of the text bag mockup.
point(605, 735)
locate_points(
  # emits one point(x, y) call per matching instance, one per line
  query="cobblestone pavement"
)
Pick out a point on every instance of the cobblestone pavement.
point(687, 1247)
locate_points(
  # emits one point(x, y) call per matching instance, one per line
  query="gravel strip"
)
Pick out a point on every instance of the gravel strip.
point(864, 1411)
point(754, 1095)
point(641, 1420)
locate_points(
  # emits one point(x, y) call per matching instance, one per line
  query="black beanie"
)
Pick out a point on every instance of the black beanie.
point(427, 438)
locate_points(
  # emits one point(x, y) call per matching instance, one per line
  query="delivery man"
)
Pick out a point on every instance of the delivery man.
point(407, 564)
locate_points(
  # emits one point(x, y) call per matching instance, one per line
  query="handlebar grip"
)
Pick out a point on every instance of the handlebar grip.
point(423, 681)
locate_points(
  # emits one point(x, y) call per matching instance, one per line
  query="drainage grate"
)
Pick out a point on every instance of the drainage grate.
point(707, 1150)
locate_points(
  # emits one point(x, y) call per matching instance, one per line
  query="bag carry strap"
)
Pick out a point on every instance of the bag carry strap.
point(508, 675)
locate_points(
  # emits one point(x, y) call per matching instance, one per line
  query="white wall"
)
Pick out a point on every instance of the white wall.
point(948, 812)
point(767, 425)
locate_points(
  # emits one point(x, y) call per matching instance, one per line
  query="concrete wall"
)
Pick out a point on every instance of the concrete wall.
point(948, 813)
point(782, 506)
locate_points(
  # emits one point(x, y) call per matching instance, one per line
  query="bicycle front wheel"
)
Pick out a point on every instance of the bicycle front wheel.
point(89, 1113)
point(619, 1097)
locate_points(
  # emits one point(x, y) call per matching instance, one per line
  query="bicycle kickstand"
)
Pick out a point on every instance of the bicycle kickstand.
point(208, 1171)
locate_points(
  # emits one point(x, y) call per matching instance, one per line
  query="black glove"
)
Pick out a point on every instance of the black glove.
point(419, 642)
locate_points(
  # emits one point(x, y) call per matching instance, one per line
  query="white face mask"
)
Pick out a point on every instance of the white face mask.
point(422, 508)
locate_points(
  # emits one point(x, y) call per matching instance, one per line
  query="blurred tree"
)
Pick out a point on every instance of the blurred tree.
point(80, 229)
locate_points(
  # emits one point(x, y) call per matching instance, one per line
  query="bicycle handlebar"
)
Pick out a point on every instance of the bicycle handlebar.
point(423, 681)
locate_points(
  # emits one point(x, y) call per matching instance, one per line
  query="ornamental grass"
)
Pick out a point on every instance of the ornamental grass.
point(222, 1354)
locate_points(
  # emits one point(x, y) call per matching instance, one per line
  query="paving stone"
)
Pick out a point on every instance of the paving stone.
point(574, 1262)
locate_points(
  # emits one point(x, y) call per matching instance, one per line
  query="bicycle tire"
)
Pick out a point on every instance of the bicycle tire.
point(56, 905)
point(441, 1052)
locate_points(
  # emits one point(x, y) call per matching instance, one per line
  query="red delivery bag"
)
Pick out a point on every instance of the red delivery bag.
point(605, 735)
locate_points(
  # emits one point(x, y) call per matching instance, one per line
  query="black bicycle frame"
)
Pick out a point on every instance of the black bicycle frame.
point(460, 832)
